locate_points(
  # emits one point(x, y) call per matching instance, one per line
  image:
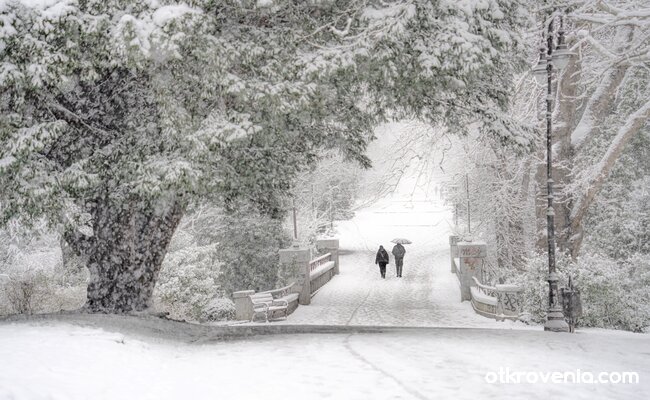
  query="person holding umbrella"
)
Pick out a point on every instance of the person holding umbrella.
point(398, 252)
point(382, 260)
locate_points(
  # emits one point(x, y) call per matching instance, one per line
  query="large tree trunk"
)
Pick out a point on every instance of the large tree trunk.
point(125, 253)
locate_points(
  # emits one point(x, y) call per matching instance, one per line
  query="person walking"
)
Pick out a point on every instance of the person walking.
point(382, 259)
point(398, 253)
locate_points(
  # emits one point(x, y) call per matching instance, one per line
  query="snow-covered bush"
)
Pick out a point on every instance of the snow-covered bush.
point(614, 294)
point(33, 276)
point(618, 224)
point(218, 309)
point(25, 294)
point(534, 282)
point(214, 253)
point(248, 244)
point(287, 273)
point(188, 281)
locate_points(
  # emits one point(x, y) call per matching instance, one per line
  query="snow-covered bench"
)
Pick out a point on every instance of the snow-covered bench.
point(287, 294)
point(250, 305)
point(264, 304)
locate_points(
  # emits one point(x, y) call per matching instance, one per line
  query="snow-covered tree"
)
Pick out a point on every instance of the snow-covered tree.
point(118, 115)
point(493, 183)
point(601, 105)
point(322, 195)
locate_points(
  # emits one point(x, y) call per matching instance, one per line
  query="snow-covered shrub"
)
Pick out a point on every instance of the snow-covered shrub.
point(24, 294)
point(533, 281)
point(189, 277)
point(614, 294)
point(35, 281)
point(287, 273)
point(620, 220)
point(248, 244)
point(214, 253)
point(218, 309)
point(188, 281)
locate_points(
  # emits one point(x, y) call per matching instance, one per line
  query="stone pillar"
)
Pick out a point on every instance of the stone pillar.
point(297, 260)
point(472, 255)
point(330, 246)
point(453, 249)
point(243, 304)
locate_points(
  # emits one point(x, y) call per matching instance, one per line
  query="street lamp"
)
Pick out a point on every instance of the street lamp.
point(558, 57)
point(544, 71)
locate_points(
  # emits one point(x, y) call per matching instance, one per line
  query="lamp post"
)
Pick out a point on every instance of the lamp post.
point(543, 71)
point(469, 211)
point(295, 220)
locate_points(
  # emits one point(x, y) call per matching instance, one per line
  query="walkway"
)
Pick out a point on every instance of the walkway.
point(427, 295)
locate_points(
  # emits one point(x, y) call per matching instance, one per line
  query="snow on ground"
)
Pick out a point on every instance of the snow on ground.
point(427, 295)
point(61, 360)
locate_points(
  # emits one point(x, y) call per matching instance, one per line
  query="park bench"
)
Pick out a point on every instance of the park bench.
point(264, 304)
point(271, 304)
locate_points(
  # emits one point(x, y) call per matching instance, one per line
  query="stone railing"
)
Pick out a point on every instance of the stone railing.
point(321, 271)
point(499, 301)
point(468, 262)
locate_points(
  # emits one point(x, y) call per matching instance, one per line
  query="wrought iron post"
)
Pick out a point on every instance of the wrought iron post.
point(295, 222)
point(469, 212)
point(555, 317)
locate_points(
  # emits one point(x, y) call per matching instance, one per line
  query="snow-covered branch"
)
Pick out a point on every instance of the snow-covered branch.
point(632, 126)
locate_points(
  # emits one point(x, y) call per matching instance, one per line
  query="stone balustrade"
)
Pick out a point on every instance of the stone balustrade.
point(499, 301)
point(468, 262)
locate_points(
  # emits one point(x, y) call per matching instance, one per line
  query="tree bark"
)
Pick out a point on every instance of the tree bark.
point(126, 253)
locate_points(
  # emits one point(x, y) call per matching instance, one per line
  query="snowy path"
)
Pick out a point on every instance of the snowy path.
point(427, 295)
point(74, 361)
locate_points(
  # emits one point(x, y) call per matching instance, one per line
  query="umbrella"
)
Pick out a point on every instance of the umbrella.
point(401, 241)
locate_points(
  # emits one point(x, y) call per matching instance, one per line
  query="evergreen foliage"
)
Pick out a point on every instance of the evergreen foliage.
point(117, 116)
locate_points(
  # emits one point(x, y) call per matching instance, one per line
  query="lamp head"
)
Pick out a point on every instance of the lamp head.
point(561, 55)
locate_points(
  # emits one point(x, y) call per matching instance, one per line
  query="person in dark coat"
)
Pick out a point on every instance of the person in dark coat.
point(398, 252)
point(382, 259)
